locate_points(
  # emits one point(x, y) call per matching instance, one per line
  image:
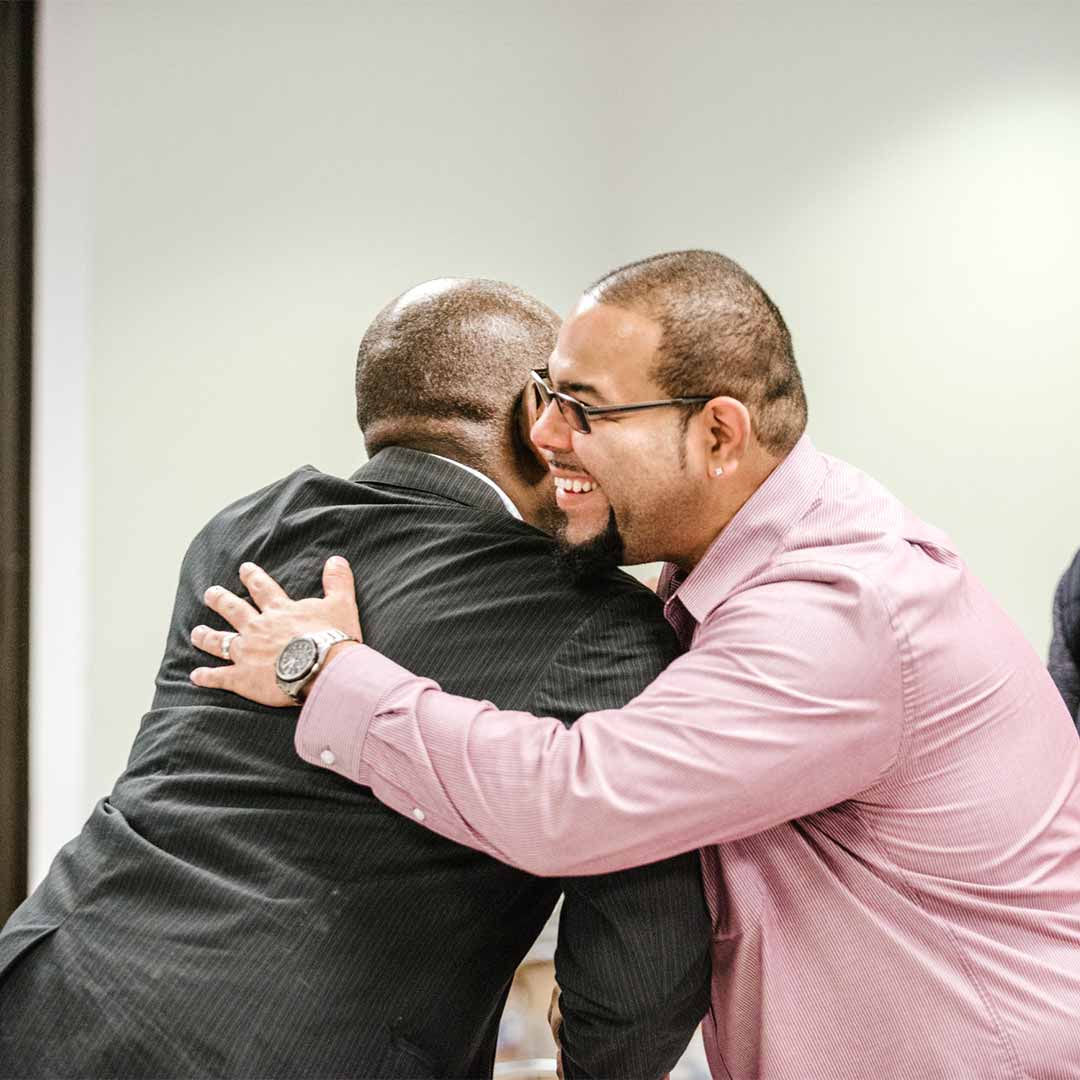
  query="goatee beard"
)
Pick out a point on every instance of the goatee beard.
point(592, 558)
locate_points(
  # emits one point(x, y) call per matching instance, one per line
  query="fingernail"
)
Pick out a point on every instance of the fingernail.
point(212, 591)
point(247, 567)
point(337, 562)
point(198, 631)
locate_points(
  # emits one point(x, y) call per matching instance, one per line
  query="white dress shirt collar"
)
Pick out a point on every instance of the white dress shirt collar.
point(507, 501)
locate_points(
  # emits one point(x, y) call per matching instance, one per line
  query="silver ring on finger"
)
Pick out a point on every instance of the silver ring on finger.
point(226, 645)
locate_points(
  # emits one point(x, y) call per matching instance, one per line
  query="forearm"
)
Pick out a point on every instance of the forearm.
point(618, 789)
point(521, 788)
point(443, 760)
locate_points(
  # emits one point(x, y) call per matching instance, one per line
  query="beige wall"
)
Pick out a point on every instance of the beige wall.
point(264, 175)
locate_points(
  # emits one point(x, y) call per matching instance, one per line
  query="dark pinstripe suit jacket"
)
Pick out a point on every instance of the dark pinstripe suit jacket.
point(230, 911)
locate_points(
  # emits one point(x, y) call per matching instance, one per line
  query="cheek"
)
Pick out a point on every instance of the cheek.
point(600, 455)
point(645, 484)
point(620, 458)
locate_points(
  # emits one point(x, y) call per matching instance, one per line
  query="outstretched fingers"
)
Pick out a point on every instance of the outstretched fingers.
point(215, 678)
point(213, 641)
point(263, 633)
point(236, 612)
point(265, 591)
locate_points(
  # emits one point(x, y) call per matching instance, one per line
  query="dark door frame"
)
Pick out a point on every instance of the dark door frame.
point(16, 298)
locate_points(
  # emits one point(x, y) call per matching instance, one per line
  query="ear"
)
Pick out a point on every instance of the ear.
point(529, 409)
point(727, 430)
point(528, 461)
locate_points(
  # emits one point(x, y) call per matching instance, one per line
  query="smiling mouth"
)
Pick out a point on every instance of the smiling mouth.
point(574, 486)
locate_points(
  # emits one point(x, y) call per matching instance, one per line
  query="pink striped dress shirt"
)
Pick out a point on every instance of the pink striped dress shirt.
point(880, 775)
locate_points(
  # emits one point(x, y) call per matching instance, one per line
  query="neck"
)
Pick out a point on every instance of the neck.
point(528, 498)
point(730, 497)
point(461, 441)
point(515, 469)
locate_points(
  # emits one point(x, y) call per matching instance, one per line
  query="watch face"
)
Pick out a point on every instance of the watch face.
point(297, 659)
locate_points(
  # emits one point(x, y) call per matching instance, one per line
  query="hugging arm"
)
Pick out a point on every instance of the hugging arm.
point(633, 951)
point(632, 959)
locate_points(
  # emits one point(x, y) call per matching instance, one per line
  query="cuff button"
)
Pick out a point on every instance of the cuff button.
point(328, 757)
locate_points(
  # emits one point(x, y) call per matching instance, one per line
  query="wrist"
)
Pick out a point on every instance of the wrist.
point(304, 658)
point(332, 654)
point(335, 651)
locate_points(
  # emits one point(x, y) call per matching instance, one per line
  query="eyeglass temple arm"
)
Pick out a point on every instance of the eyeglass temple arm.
point(594, 410)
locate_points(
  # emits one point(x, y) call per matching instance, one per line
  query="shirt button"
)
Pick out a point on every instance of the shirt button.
point(418, 813)
point(328, 757)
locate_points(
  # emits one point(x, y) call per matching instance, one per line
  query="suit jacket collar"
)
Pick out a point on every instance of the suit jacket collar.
point(398, 466)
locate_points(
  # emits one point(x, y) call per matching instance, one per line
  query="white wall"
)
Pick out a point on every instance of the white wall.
point(60, 585)
point(265, 175)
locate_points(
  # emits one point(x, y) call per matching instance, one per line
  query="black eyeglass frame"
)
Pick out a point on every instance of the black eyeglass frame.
point(576, 413)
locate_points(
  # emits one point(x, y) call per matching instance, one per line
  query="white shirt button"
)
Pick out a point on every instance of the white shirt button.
point(328, 757)
point(418, 813)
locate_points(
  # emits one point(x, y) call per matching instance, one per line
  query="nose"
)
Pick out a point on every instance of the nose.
point(550, 431)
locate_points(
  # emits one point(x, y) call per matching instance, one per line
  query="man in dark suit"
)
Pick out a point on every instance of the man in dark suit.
point(231, 911)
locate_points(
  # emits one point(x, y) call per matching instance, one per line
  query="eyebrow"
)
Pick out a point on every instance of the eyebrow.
point(580, 388)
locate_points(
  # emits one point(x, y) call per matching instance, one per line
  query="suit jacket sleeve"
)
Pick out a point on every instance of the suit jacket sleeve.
point(1064, 662)
point(633, 953)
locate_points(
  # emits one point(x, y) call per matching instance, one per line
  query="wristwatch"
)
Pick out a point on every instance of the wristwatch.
point(302, 659)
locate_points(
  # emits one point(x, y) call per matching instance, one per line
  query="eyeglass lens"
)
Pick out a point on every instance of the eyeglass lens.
point(573, 412)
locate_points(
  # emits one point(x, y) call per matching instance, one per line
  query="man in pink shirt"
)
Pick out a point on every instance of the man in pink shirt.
point(881, 777)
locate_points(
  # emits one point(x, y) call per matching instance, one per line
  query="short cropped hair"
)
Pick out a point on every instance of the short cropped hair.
point(721, 337)
point(444, 363)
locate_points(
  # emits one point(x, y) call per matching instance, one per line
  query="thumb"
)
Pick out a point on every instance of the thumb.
point(337, 579)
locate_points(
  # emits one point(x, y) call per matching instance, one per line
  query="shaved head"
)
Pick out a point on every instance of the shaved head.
point(721, 337)
point(442, 367)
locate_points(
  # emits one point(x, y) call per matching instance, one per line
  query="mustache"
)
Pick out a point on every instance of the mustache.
point(566, 466)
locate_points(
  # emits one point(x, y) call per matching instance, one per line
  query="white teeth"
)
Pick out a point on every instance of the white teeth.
point(566, 484)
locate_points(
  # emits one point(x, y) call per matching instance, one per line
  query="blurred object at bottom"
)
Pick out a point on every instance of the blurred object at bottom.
point(526, 1050)
point(524, 1035)
point(526, 1069)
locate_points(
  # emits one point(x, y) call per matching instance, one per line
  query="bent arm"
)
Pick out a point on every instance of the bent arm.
point(633, 957)
point(790, 701)
point(633, 966)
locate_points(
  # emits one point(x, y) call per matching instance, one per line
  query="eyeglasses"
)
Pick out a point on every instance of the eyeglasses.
point(576, 413)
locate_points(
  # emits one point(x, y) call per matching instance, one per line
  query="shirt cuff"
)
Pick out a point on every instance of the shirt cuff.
point(336, 716)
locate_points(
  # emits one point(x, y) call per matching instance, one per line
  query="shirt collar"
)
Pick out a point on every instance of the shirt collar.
point(506, 500)
point(752, 535)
